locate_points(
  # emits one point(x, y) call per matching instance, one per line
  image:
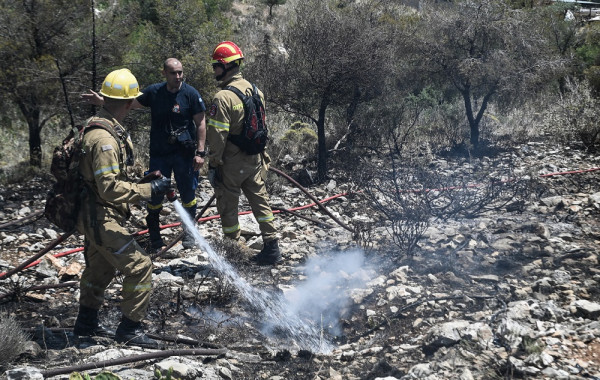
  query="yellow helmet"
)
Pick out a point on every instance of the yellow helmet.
point(120, 84)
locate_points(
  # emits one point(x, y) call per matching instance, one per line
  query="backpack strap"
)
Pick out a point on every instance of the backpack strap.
point(242, 97)
point(237, 91)
point(118, 133)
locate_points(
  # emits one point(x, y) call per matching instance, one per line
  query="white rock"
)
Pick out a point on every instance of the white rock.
point(24, 373)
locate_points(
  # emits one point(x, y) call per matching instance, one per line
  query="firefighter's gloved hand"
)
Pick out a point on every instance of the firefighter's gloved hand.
point(212, 177)
point(160, 186)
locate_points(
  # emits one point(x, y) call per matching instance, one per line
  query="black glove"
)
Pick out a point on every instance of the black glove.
point(160, 186)
point(212, 176)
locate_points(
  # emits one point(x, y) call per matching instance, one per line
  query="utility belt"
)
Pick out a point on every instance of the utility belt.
point(183, 138)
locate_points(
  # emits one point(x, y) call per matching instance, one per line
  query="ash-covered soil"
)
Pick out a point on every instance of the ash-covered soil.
point(509, 293)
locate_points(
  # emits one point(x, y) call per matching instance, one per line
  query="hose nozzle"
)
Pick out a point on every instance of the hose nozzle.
point(171, 195)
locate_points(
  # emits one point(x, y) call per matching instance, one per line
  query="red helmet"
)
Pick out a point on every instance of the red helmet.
point(226, 52)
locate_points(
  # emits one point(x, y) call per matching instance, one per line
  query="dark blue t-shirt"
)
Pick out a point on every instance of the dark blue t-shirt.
point(170, 112)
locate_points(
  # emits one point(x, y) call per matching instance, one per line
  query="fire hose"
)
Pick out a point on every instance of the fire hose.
point(32, 260)
point(152, 175)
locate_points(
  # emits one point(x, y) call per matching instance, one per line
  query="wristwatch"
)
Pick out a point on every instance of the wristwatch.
point(201, 153)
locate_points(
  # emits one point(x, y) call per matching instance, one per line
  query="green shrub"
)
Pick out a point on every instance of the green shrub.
point(572, 118)
point(299, 140)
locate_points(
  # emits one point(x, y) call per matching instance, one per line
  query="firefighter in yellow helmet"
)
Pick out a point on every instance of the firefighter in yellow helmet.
point(109, 247)
point(231, 170)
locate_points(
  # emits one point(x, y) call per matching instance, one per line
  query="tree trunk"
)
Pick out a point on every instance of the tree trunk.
point(474, 121)
point(32, 114)
point(350, 112)
point(35, 144)
point(474, 133)
point(322, 146)
point(473, 125)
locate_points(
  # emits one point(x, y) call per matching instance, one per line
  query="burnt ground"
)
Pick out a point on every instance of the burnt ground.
point(456, 283)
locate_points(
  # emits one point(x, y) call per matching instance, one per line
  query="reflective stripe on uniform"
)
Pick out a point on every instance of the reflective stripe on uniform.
point(218, 125)
point(135, 287)
point(190, 203)
point(112, 168)
point(266, 218)
point(231, 229)
point(154, 207)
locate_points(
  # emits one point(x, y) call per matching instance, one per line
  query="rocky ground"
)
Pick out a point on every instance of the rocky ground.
point(508, 294)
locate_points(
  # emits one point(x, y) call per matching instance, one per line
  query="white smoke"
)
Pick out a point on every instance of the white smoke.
point(302, 314)
point(325, 293)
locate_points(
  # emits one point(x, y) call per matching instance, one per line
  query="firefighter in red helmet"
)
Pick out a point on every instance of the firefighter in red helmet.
point(231, 170)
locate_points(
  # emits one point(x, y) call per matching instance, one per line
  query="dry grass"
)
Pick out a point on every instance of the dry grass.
point(12, 337)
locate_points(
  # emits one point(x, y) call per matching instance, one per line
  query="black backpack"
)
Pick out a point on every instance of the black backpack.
point(254, 136)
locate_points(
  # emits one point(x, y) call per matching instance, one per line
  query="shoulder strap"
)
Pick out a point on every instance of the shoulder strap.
point(236, 91)
point(119, 134)
point(99, 123)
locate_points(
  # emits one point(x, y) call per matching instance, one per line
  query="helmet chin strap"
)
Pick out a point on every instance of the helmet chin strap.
point(226, 70)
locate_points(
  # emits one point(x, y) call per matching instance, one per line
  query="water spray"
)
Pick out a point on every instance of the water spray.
point(281, 317)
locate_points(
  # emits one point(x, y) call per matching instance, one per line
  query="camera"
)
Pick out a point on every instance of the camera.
point(172, 139)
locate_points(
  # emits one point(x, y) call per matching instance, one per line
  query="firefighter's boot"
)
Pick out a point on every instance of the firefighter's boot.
point(189, 241)
point(88, 324)
point(132, 333)
point(153, 223)
point(270, 254)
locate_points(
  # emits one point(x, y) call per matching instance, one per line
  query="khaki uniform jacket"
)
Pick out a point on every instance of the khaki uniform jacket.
point(103, 170)
point(226, 116)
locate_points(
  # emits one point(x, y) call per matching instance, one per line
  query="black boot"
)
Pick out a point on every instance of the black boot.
point(132, 334)
point(153, 223)
point(269, 255)
point(189, 241)
point(87, 324)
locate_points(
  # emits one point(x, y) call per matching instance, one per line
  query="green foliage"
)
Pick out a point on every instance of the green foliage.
point(300, 133)
point(216, 8)
point(588, 54)
point(36, 39)
point(488, 52)
point(105, 375)
point(299, 141)
point(185, 30)
point(532, 345)
point(168, 376)
point(589, 51)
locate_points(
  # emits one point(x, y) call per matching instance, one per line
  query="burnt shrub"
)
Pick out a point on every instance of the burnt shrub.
point(13, 339)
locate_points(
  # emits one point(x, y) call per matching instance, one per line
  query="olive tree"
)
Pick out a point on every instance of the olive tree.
point(486, 50)
point(187, 30)
point(332, 57)
point(39, 45)
point(272, 3)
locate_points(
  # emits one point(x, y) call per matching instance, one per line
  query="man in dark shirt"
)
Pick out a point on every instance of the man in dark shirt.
point(177, 136)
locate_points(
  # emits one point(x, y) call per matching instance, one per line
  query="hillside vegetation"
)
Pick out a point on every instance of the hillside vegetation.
point(442, 137)
point(366, 76)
